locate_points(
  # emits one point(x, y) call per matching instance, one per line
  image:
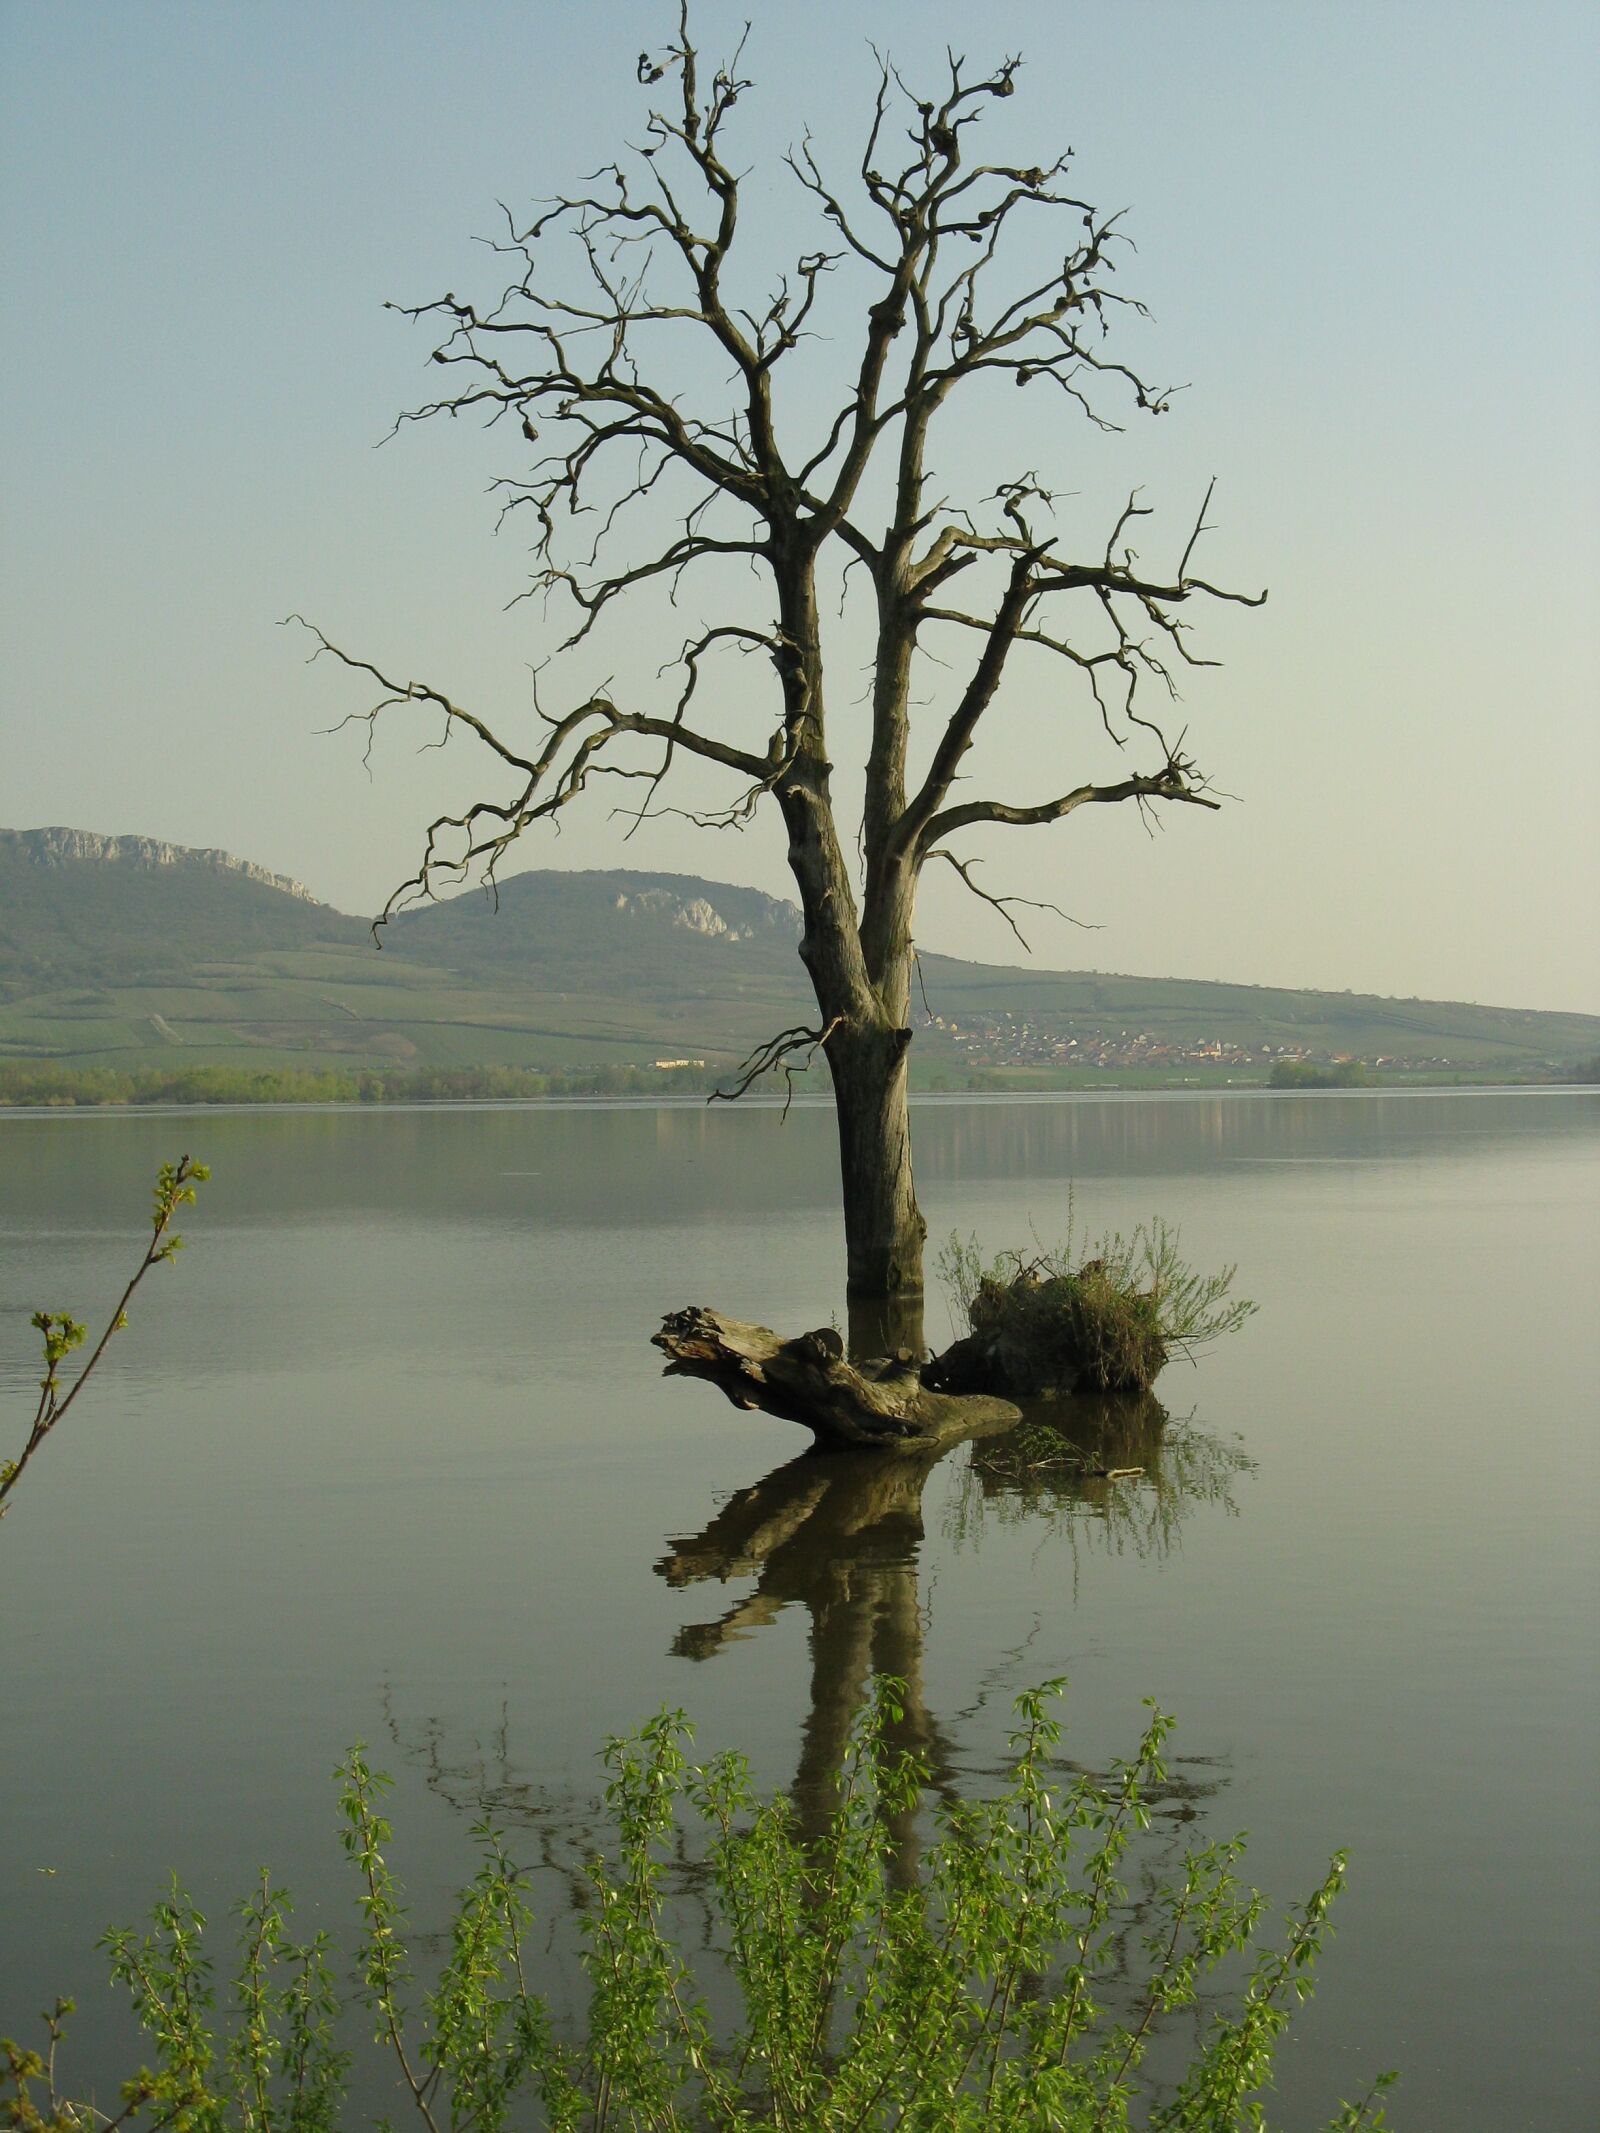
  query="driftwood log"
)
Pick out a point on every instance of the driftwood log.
point(881, 1405)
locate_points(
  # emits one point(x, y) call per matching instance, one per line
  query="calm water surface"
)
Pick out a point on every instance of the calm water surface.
point(387, 1455)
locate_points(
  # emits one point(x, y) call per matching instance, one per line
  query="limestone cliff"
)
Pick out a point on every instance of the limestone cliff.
point(61, 847)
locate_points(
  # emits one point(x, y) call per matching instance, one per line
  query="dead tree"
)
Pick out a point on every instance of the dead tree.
point(647, 387)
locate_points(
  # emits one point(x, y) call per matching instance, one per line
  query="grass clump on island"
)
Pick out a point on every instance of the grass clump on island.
point(1105, 1319)
point(981, 1998)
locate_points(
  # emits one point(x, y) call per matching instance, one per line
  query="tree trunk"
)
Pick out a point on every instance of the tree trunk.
point(883, 1225)
point(860, 971)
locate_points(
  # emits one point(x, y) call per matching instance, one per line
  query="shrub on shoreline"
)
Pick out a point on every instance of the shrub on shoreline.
point(972, 2000)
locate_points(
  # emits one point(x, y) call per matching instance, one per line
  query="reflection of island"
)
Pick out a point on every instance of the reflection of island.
point(1109, 1469)
point(839, 1533)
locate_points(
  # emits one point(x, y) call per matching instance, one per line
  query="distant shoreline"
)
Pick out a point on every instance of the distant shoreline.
point(808, 1099)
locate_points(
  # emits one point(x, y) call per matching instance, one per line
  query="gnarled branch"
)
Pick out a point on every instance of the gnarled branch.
point(775, 1052)
point(1177, 782)
point(551, 780)
point(1037, 574)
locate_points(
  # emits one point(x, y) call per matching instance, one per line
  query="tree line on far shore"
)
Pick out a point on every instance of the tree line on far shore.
point(67, 1087)
point(41, 1084)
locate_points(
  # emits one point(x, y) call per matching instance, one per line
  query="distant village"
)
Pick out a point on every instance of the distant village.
point(1013, 1041)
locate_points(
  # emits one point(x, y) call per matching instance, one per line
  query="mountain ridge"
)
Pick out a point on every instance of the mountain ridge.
point(60, 846)
point(117, 947)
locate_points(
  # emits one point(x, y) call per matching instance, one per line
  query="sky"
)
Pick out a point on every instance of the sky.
point(1365, 233)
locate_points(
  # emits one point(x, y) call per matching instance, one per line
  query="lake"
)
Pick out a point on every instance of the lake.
point(387, 1455)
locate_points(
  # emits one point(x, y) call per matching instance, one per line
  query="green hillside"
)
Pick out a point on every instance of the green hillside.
point(1032, 1017)
point(82, 910)
point(149, 961)
point(650, 931)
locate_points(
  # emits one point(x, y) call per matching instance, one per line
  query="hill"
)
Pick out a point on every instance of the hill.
point(77, 908)
point(644, 931)
point(139, 957)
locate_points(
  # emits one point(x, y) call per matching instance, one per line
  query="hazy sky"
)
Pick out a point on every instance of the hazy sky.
point(1366, 233)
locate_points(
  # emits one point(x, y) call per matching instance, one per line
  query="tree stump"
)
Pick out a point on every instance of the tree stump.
point(874, 1406)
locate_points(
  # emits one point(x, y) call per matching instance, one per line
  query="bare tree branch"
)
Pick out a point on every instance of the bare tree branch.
point(552, 780)
point(1177, 782)
point(775, 1052)
point(1002, 904)
point(1036, 573)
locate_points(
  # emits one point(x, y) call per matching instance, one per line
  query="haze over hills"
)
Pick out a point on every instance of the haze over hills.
point(126, 952)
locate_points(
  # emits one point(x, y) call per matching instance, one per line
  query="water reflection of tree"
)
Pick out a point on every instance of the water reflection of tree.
point(840, 1534)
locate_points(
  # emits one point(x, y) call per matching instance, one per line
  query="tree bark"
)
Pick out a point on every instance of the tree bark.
point(883, 1225)
point(860, 975)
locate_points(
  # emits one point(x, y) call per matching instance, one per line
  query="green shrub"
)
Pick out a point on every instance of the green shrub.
point(1108, 1321)
point(979, 1999)
point(1304, 1074)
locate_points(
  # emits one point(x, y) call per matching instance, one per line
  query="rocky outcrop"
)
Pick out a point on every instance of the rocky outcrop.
point(695, 914)
point(66, 847)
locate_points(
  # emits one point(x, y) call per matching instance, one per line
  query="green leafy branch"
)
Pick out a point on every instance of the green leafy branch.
point(62, 1334)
